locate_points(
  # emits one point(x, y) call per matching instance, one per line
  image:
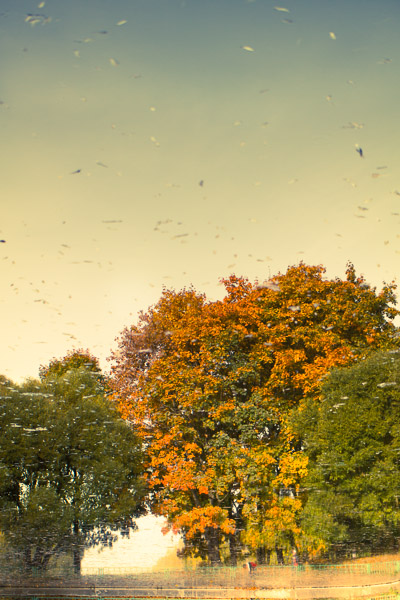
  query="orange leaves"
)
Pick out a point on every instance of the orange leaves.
point(198, 519)
point(174, 465)
point(292, 468)
point(262, 458)
point(210, 386)
point(236, 287)
point(288, 363)
point(314, 372)
point(220, 411)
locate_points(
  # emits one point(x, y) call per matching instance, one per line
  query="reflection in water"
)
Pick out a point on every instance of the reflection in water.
point(153, 143)
point(142, 550)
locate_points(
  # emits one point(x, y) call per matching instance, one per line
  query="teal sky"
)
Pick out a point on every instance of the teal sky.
point(173, 142)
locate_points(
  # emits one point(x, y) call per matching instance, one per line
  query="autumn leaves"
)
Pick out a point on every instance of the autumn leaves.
point(210, 387)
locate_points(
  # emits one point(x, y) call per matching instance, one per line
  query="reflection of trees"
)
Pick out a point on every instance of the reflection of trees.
point(211, 387)
point(353, 441)
point(69, 467)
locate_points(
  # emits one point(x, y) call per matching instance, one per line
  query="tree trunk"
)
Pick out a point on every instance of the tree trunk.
point(234, 549)
point(40, 560)
point(76, 555)
point(279, 555)
point(263, 555)
point(76, 550)
point(27, 558)
point(212, 538)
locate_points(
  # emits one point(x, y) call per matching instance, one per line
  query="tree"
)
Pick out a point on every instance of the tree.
point(210, 387)
point(70, 467)
point(72, 360)
point(352, 439)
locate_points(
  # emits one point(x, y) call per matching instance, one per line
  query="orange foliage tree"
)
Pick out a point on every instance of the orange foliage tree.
point(210, 387)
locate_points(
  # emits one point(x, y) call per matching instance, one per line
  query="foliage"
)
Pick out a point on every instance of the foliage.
point(210, 387)
point(72, 360)
point(70, 467)
point(352, 439)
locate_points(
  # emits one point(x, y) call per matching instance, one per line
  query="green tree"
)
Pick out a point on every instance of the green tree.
point(72, 360)
point(352, 439)
point(210, 387)
point(70, 467)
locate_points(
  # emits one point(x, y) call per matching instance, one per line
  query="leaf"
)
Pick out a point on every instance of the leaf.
point(211, 387)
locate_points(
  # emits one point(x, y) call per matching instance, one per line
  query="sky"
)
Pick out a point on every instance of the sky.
point(167, 143)
point(147, 548)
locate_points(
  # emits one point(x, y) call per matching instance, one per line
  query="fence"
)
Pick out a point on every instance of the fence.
point(229, 573)
point(389, 567)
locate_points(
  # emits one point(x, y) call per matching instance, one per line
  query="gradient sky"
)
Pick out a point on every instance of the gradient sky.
point(151, 143)
point(141, 551)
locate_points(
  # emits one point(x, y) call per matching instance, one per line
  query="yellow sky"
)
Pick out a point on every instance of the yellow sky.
point(145, 145)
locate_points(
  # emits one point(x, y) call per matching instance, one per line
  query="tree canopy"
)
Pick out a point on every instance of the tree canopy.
point(210, 387)
point(70, 467)
point(72, 360)
point(352, 439)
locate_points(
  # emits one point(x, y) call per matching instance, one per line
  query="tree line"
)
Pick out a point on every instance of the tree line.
point(257, 424)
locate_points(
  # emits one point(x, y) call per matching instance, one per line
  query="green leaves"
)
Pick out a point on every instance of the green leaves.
point(70, 467)
point(353, 443)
